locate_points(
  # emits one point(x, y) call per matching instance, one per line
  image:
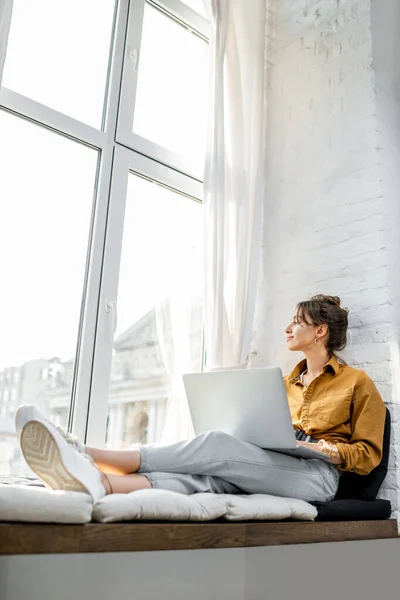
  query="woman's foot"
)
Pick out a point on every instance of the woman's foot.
point(29, 412)
point(61, 467)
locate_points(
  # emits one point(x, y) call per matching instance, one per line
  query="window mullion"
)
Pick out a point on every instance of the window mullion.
point(98, 406)
point(116, 69)
point(130, 69)
point(87, 393)
point(85, 355)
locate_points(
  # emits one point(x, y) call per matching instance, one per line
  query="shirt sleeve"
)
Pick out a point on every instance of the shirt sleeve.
point(364, 451)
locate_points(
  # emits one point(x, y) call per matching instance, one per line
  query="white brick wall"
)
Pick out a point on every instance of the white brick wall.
point(331, 188)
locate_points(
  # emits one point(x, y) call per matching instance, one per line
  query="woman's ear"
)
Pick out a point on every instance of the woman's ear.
point(322, 329)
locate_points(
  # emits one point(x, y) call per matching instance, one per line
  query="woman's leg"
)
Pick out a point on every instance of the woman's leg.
point(124, 484)
point(63, 466)
point(249, 468)
point(175, 482)
point(119, 475)
point(214, 454)
point(117, 462)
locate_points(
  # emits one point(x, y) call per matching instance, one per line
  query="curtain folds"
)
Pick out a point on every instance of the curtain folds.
point(232, 213)
point(179, 329)
point(179, 325)
point(233, 178)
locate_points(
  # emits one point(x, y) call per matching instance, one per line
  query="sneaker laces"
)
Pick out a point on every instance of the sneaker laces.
point(73, 441)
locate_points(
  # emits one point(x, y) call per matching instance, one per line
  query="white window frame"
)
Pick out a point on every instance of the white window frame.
point(120, 152)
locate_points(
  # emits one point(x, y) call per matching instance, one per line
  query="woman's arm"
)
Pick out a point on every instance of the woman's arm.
point(364, 451)
point(324, 448)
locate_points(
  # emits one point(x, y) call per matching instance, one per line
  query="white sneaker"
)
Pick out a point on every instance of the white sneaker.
point(55, 461)
point(29, 412)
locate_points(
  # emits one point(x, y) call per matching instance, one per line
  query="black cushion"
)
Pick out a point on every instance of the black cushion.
point(353, 510)
point(355, 499)
point(366, 487)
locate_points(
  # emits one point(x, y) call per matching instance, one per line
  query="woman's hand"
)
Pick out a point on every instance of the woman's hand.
point(326, 449)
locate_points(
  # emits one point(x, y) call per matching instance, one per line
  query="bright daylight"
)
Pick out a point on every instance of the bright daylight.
point(46, 222)
point(199, 317)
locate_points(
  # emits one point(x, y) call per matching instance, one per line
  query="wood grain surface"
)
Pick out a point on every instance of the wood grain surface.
point(32, 538)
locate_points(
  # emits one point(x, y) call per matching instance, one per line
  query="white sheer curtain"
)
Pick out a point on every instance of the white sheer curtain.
point(233, 189)
point(5, 19)
point(233, 178)
point(179, 323)
point(179, 329)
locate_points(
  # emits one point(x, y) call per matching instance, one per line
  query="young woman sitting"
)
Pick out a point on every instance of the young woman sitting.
point(333, 403)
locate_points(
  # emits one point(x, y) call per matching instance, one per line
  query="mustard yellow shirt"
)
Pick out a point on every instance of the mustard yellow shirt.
point(341, 406)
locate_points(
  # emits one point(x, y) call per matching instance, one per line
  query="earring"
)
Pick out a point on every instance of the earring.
point(316, 341)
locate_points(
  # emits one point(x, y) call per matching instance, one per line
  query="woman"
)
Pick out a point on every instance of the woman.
point(337, 405)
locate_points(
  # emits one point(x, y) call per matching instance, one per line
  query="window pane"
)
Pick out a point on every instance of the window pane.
point(47, 185)
point(58, 54)
point(171, 98)
point(159, 317)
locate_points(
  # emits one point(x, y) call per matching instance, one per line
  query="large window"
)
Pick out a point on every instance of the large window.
point(102, 120)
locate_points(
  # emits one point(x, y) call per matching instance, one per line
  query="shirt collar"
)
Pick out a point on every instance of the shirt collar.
point(331, 365)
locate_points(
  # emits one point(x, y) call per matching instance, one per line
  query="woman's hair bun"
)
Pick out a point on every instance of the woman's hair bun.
point(330, 299)
point(334, 300)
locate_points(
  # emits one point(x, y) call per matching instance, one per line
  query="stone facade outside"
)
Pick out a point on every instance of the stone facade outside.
point(138, 394)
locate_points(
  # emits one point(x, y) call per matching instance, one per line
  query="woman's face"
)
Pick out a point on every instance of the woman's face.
point(299, 335)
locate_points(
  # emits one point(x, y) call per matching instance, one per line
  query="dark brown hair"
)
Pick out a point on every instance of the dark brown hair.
point(326, 309)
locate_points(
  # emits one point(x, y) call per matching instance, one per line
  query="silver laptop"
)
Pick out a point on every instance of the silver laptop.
point(249, 404)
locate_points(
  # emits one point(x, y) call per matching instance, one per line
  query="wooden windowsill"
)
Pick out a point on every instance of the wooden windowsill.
point(32, 538)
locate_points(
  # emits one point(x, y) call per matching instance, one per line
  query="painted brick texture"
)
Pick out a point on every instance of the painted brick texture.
point(326, 207)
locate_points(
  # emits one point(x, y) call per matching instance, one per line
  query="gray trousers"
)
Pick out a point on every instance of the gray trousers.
point(217, 462)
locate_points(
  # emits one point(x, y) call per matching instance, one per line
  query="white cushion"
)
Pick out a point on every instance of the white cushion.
point(268, 508)
point(40, 505)
point(156, 504)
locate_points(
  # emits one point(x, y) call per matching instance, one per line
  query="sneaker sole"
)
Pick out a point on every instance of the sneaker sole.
point(43, 456)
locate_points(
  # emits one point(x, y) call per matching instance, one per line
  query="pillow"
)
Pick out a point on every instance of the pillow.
point(267, 508)
point(40, 505)
point(353, 510)
point(157, 505)
point(366, 487)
